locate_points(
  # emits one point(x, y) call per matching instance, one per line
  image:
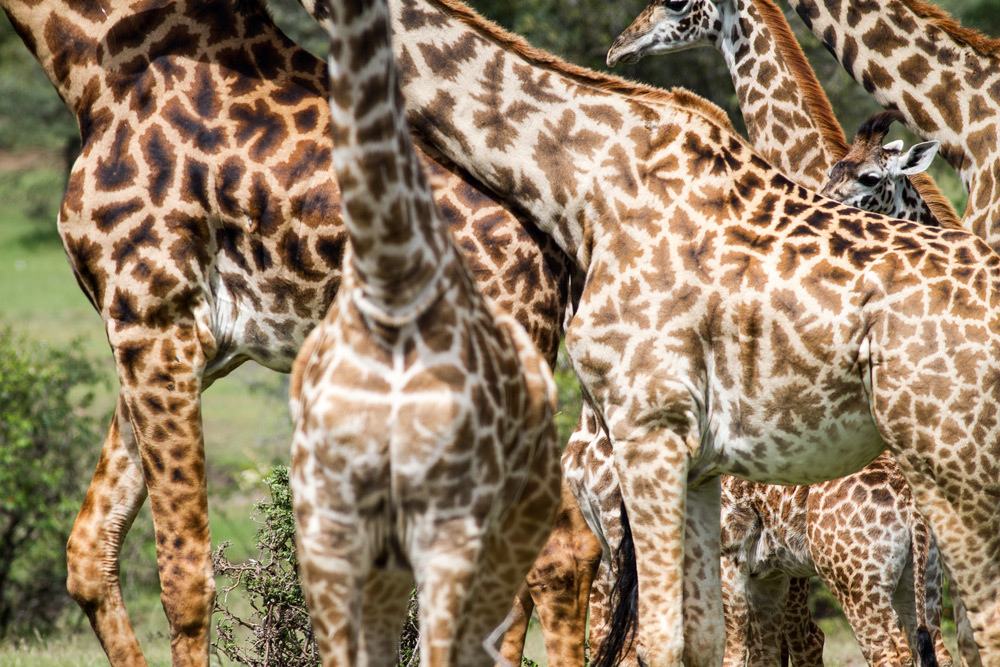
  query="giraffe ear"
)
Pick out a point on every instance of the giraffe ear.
point(918, 158)
point(893, 146)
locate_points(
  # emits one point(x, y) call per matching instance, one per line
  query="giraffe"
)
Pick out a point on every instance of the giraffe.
point(775, 533)
point(791, 123)
point(424, 445)
point(731, 321)
point(788, 117)
point(913, 57)
point(874, 177)
point(202, 222)
point(590, 471)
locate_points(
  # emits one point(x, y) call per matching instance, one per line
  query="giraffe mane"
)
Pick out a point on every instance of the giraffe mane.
point(815, 97)
point(977, 41)
point(588, 77)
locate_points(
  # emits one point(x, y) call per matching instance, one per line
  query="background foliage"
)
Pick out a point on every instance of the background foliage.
point(47, 433)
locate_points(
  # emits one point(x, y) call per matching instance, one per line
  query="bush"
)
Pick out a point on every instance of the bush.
point(48, 444)
point(278, 630)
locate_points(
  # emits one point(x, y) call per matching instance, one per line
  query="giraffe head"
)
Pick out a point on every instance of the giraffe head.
point(871, 176)
point(668, 25)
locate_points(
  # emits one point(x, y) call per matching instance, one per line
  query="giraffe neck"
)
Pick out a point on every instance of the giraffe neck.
point(540, 132)
point(398, 243)
point(913, 57)
point(788, 116)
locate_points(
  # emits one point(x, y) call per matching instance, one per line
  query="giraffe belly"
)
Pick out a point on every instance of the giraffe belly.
point(764, 444)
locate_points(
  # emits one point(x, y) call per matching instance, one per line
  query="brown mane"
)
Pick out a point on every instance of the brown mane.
point(977, 41)
point(600, 80)
point(936, 201)
point(815, 97)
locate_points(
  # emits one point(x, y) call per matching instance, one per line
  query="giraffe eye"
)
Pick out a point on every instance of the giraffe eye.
point(869, 179)
point(676, 6)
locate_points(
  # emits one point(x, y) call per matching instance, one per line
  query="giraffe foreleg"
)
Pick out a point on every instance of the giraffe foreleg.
point(161, 380)
point(653, 476)
point(736, 613)
point(113, 499)
point(767, 600)
point(803, 636)
point(512, 649)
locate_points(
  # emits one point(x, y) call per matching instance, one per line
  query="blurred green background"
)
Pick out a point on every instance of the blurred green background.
point(246, 423)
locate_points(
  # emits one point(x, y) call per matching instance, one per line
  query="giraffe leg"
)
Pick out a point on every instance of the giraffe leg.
point(161, 387)
point(588, 472)
point(767, 599)
point(970, 544)
point(953, 483)
point(560, 581)
point(704, 625)
point(803, 636)
point(735, 612)
point(905, 603)
point(869, 610)
point(512, 648)
point(656, 522)
point(600, 599)
point(333, 562)
point(510, 550)
point(385, 599)
point(967, 650)
point(113, 499)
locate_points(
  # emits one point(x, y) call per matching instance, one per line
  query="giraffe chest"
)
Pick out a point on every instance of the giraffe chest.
point(427, 417)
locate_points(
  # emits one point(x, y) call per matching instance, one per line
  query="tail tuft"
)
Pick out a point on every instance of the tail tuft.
point(925, 648)
point(624, 603)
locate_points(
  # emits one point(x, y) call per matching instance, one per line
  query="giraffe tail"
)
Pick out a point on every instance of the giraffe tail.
point(624, 603)
point(920, 546)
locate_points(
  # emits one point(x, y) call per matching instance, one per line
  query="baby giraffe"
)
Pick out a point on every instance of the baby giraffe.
point(424, 448)
point(874, 177)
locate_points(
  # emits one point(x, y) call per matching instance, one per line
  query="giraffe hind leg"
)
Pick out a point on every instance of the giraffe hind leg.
point(115, 495)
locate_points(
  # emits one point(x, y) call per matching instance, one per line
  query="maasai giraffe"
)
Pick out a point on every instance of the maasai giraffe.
point(202, 221)
point(784, 603)
point(788, 117)
point(874, 177)
point(912, 56)
point(863, 535)
point(731, 321)
point(424, 444)
point(791, 123)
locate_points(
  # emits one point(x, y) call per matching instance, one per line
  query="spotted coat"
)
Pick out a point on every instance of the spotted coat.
point(202, 220)
point(424, 448)
point(731, 322)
